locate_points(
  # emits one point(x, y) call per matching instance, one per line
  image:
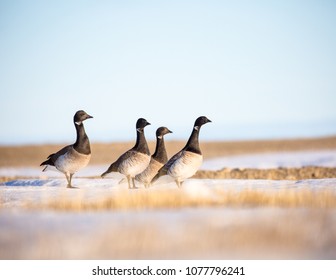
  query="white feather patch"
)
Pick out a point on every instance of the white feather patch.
point(134, 165)
point(148, 174)
point(185, 166)
point(72, 161)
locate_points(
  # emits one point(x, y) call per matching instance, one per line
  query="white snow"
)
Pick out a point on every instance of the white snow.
point(17, 192)
point(50, 184)
point(40, 185)
point(46, 180)
point(162, 233)
point(91, 170)
point(323, 158)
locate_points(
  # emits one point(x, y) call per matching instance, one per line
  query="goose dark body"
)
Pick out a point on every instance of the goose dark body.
point(73, 157)
point(158, 159)
point(160, 153)
point(185, 163)
point(135, 160)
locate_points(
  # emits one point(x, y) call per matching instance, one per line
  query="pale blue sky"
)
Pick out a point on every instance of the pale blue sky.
point(257, 69)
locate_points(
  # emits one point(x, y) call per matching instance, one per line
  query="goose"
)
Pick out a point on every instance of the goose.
point(185, 163)
point(158, 159)
point(135, 160)
point(73, 157)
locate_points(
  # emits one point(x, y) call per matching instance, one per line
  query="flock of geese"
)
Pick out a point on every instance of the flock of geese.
point(137, 164)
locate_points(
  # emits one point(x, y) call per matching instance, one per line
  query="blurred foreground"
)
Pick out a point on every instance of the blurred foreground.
point(224, 212)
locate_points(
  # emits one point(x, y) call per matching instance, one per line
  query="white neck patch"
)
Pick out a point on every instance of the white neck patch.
point(139, 130)
point(160, 137)
point(78, 123)
point(196, 127)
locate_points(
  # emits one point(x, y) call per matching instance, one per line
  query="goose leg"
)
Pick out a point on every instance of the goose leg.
point(129, 182)
point(69, 178)
point(133, 181)
point(121, 181)
point(178, 183)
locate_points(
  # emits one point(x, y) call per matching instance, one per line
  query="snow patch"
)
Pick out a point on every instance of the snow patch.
point(326, 158)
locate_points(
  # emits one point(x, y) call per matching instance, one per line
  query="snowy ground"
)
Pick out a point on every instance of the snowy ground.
point(325, 158)
point(191, 233)
point(262, 232)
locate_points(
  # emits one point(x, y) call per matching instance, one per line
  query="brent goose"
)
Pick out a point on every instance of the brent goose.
point(158, 159)
point(72, 157)
point(135, 160)
point(185, 163)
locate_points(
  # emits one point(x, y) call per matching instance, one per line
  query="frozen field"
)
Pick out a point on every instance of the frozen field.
point(231, 219)
point(324, 158)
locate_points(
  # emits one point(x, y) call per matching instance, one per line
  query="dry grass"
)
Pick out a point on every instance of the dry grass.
point(303, 173)
point(105, 153)
point(163, 223)
point(175, 199)
point(215, 233)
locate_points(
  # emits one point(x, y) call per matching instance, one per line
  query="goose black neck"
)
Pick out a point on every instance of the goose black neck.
point(160, 153)
point(82, 144)
point(141, 143)
point(193, 143)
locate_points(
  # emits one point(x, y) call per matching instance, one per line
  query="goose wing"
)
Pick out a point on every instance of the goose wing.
point(51, 159)
point(164, 169)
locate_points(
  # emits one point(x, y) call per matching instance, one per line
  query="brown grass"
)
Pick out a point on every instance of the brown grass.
point(214, 234)
point(104, 153)
point(302, 173)
point(175, 199)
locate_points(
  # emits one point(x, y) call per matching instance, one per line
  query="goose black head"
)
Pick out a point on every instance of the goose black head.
point(161, 131)
point(81, 116)
point(141, 124)
point(200, 121)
